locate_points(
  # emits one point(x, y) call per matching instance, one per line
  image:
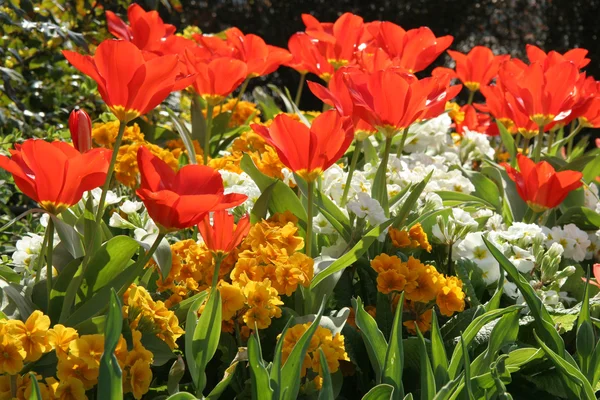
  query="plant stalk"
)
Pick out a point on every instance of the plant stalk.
point(50, 250)
point(471, 96)
point(299, 90)
point(402, 142)
point(353, 162)
point(309, 218)
point(209, 120)
point(537, 153)
point(111, 169)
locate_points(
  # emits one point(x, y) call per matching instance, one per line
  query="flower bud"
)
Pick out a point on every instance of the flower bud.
point(80, 126)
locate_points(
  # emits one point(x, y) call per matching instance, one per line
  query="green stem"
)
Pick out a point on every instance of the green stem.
point(111, 168)
point(518, 138)
point(449, 264)
point(571, 137)
point(538, 145)
point(215, 279)
point(402, 142)
point(471, 96)
point(526, 146)
point(299, 90)
point(150, 252)
point(41, 257)
point(239, 96)
point(309, 218)
point(209, 119)
point(357, 149)
point(550, 141)
point(50, 250)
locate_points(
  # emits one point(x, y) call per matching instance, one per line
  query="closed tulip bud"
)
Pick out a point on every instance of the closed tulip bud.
point(80, 126)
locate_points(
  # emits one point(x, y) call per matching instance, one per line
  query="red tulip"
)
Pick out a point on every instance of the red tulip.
point(540, 186)
point(307, 58)
point(179, 200)
point(308, 151)
point(596, 273)
point(478, 67)
point(414, 50)
point(223, 235)
point(576, 56)
point(80, 126)
point(128, 84)
point(475, 122)
point(260, 58)
point(55, 175)
point(146, 30)
point(216, 79)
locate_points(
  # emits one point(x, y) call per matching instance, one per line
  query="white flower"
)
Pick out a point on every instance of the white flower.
point(44, 220)
point(27, 250)
point(336, 250)
point(473, 248)
point(593, 250)
point(591, 197)
point(111, 197)
point(288, 176)
point(581, 242)
point(495, 223)
point(240, 183)
point(322, 225)
point(510, 289)
point(430, 136)
point(523, 260)
point(463, 218)
point(523, 233)
point(482, 213)
point(550, 297)
point(366, 207)
point(116, 221)
point(476, 145)
point(131, 207)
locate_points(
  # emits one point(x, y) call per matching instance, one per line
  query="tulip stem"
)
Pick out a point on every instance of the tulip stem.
point(218, 259)
point(403, 137)
point(526, 146)
point(537, 153)
point(550, 141)
point(38, 270)
point(239, 96)
point(299, 90)
point(111, 168)
point(571, 138)
point(471, 96)
point(357, 150)
point(209, 120)
point(309, 218)
point(50, 250)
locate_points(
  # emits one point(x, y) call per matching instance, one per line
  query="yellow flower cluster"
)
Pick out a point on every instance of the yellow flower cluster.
point(126, 168)
point(78, 359)
point(153, 317)
point(414, 238)
point(420, 283)
point(332, 345)
point(241, 112)
point(177, 148)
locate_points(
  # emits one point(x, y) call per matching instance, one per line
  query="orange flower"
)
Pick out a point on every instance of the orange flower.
point(308, 151)
point(179, 200)
point(423, 322)
point(129, 84)
point(390, 281)
point(307, 58)
point(576, 56)
point(146, 30)
point(540, 186)
point(55, 175)
point(451, 298)
point(223, 236)
point(478, 67)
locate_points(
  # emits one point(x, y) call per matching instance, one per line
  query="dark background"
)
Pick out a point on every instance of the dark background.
point(505, 26)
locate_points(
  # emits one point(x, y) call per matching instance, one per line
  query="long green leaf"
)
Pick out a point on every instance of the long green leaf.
point(380, 392)
point(467, 364)
point(438, 353)
point(410, 201)
point(112, 258)
point(326, 392)
point(206, 337)
point(35, 394)
point(191, 322)
point(505, 332)
point(223, 383)
point(585, 334)
point(509, 143)
point(372, 336)
point(394, 357)
point(543, 320)
point(182, 396)
point(258, 372)
point(428, 389)
point(185, 135)
point(110, 385)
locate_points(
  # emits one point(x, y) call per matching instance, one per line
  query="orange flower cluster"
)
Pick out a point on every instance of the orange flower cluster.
point(126, 168)
point(153, 317)
point(78, 359)
point(420, 283)
point(332, 345)
point(414, 238)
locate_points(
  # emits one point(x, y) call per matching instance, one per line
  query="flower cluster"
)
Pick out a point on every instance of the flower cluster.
point(413, 238)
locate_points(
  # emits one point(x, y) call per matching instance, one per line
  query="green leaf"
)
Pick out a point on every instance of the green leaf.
point(267, 103)
point(394, 357)
point(261, 206)
point(162, 256)
point(583, 217)
point(590, 171)
point(290, 373)
point(258, 372)
point(467, 364)
point(191, 322)
point(509, 143)
point(198, 121)
point(326, 392)
point(68, 236)
point(283, 197)
point(470, 333)
point(585, 339)
point(182, 396)
point(438, 353)
point(372, 336)
point(448, 196)
point(206, 337)
point(380, 392)
point(184, 133)
point(485, 189)
point(35, 394)
point(568, 371)
point(24, 305)
point(60, 287)
point(428, 389)
point(181, 309)
point(543, 321)
point(312, 296)
point(504, 332)
point(110, 376)
point(112, 258)
point(410, 201)
point(223, 383)
point(175, 374)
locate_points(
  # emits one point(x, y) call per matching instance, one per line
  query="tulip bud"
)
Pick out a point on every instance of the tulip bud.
point(80, 126)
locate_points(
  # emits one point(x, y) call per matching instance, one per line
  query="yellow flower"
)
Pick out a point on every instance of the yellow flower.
point(60, 337)
point(88, 348)
point(70, 389)
point(297, 269)
point(74, 367)
point(400, 238)
point(232, 300)
point(451, 297)
point(140, 376)
point(12, 355)
point(25, 389)
point(383, 262)
point(33, 334)
point(105, 134)
point(455, 113)
point(412, 239)
point(5, 386)
point(418, 235)
point(138, 352)
point(259, 316)
point(423, 322)
point(427, 285)
point(390, 281)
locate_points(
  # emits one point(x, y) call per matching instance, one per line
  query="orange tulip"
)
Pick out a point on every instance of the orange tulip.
point(308, 151)
point(215, 79)
point(55, 175)
point(223, 235)
point(540, 186)
point(478, 67)
point(146, 30)
point(576, 56)
point(179, 200)
point(128, 84)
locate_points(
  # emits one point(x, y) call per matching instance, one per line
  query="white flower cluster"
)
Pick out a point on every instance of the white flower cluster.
point(243, 184)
